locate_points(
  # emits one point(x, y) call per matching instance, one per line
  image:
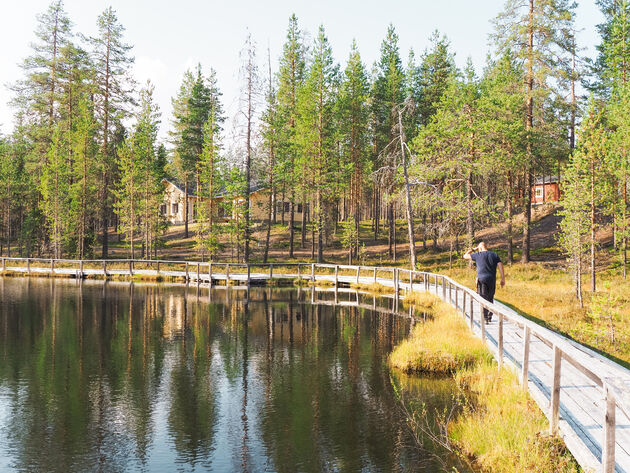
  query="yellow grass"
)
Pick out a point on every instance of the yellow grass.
point(441, 345)
point(547, 295)
point(500, 428)
point(373, 288)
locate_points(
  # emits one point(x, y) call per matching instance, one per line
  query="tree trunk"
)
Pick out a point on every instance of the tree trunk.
point(409, 211)
point(470, 228)
point(390, 235)
point(510, 243)
point(529, 124)
point(593, 281)
point(186, 209)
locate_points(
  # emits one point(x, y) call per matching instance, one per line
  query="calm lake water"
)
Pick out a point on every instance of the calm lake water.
point(110, 377)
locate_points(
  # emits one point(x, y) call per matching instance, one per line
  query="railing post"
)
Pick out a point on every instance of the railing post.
point(104, 268)
point(425, 278)
point(525, 360)
point(444, 288)
point(198, 280)
point(210, 274)
point(336, 275)
point(500, 342)
point(374, 274)
point(411, 281)
point(249, 273)
point(358, 269)
point(52, 266)
point(608, 442)
point(472, 307)
point(227, 274)
point(130, 268)
point(555, 390)
point(81, 268)
point(483, 326)
point(187, 275)
point(464, 303)
point(313, 272)
point(28, 265)
point(4, 264)
point(456, 298)
point(299, 272)
point(396, 276)
point(270, 271)
point(450, 292)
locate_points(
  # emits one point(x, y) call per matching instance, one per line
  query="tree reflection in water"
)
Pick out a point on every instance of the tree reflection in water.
point(143, 377)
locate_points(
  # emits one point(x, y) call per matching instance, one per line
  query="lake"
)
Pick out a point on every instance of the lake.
point(112, 376)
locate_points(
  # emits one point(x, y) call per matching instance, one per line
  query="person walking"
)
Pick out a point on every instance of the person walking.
point(487, 263)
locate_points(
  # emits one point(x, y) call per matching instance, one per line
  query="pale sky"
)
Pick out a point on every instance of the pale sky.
point(170, 36)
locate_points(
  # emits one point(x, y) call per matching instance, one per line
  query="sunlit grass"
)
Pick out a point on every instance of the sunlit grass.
point(499, 427)
point(440, 345)
point(548, 296)
point(502, 427)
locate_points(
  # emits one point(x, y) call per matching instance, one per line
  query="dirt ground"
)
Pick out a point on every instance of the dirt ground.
point(544, 248)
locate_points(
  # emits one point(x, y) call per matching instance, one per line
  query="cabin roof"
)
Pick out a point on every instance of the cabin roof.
point(545, 180)
point(192, 192)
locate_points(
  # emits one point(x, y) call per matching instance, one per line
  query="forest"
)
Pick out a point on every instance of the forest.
point(447, 150)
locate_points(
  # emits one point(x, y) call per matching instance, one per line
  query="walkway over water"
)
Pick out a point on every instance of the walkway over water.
point(585, 396)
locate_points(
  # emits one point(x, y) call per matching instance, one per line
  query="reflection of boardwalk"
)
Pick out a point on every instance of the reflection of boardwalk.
point(584, 395)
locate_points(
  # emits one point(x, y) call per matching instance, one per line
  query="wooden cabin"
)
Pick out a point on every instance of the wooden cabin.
point(173, 205)
point(545, 189)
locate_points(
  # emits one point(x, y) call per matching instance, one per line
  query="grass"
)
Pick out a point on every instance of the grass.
point(546, 295)
point(373, 288)
point(428, 350)
point(502, 428)
point(499, 428)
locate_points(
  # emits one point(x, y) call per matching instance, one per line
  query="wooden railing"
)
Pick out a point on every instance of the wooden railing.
point(564, 350)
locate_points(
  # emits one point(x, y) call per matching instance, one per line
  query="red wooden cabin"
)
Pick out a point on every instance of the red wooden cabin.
point(545, 189)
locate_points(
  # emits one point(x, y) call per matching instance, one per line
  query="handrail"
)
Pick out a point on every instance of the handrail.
point(598, 369)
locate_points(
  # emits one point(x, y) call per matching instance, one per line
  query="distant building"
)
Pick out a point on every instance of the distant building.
point(173, 205)
point(545, 189)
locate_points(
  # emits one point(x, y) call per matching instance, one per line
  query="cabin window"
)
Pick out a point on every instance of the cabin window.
point(299, 208)
point(163, 209)
point(174, 209)
point(539, 192)
point(287, 207)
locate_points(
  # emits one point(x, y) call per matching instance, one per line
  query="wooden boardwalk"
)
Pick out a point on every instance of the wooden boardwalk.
point(585, 396)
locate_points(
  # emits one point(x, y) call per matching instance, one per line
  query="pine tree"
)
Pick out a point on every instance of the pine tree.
point(290, 79)
point(145, 149)
point(502, 129)
point(128, 205)
point(54, 191)
point(84, 184)
point(581, 200)
point(208, 231)
point(316, 104)
point(435, 72)
point(537, 32)
point(448, 150)
point(112, 87)
point(387, 93)
point(250, 102)
point(354, 111)
point(270, 131)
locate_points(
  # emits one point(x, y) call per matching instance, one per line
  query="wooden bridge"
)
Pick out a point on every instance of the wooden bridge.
point(585, 396)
